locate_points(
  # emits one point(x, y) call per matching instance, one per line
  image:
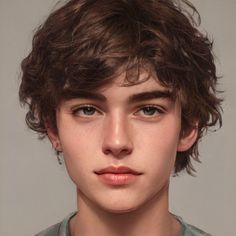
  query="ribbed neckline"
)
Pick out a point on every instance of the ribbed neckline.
point(64, 227)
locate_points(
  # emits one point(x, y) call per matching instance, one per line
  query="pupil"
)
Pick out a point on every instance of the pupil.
point(89, 111)
point(149, 111)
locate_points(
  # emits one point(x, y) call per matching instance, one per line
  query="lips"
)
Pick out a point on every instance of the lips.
point(117, 170)
point(117, 176)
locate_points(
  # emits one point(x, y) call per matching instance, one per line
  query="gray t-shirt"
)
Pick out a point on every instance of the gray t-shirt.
point(62, 229)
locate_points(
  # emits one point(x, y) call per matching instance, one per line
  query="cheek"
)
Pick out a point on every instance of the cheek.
point(158, 143)
point(160, 138)
point(76, 137)
point(160, 148)
point(77, 150)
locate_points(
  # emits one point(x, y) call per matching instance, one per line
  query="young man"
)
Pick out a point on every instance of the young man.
point(124, 89)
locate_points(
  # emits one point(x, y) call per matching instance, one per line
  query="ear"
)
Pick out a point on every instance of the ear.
point(188, 138)
point(54, 138)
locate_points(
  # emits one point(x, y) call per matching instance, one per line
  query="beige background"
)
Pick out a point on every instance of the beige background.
point(35, 191)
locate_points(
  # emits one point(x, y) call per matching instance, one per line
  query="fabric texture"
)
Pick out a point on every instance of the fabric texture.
point(62, 229)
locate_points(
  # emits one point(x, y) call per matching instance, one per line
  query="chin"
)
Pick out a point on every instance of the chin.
point(116, 208)
point(121, 210)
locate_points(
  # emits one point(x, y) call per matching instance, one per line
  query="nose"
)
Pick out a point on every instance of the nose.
point(117, 140)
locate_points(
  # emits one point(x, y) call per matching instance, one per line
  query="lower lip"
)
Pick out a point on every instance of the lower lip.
point(117, 179)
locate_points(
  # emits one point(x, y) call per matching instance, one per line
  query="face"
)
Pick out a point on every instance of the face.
point(120, 143)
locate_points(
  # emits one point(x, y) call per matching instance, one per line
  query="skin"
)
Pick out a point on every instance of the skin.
point(119, 130)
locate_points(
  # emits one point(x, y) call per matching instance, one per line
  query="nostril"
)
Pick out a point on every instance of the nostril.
point(117, 152)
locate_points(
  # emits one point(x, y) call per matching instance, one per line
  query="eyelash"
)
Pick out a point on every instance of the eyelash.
point(154, 109)
point(157, 110)
point(83, 108)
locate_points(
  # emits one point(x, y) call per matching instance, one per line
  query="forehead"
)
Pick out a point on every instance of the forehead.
point(145, 82)
point(121, 86)
point(117, 92)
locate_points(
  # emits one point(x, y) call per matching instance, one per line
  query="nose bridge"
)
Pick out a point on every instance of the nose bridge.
point(117, 140)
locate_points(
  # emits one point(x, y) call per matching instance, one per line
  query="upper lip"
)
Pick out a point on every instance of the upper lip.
point(117, 170)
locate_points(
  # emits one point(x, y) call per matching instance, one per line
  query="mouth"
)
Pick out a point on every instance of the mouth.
point(117, 176)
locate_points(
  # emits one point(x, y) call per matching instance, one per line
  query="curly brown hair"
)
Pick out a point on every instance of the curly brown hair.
point(86, 44)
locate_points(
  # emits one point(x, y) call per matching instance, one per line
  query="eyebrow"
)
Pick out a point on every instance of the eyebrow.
point(143, 96)
point(155, 94)
point(86, 95)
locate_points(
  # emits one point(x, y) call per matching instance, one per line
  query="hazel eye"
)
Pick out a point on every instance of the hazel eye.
point(150, 110)
point(85, 111)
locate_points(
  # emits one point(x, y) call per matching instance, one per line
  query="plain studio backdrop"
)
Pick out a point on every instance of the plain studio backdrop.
point(35, 191)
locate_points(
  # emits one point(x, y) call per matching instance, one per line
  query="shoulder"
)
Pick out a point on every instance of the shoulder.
point(190, 230)
point(59, 229)
point(51, 231)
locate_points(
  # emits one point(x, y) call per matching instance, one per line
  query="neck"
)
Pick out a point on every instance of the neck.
point(153, 218)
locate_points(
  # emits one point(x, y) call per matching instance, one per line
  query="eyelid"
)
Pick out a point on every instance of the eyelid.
point(160, 110)
point(75, 108)
point(158, 107)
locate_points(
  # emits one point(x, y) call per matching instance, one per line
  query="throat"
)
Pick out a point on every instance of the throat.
point(150, 219)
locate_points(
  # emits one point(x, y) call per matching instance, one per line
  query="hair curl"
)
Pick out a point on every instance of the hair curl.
point(85, 44)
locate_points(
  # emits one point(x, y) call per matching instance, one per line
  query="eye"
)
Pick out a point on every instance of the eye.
point(85, 111)
point(150, 111)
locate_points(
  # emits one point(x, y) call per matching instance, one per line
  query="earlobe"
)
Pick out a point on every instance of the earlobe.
point(188, 138)
point(54, 138)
